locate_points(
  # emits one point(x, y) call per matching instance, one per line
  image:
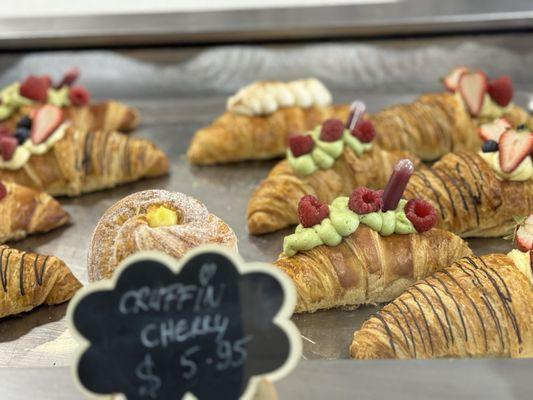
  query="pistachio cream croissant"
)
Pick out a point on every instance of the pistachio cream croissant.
point(29, 280)
point(256, 125)
point(353, 253)
point(328, 162)
point(24, 211)
point(20, 99)
point(159, 220)
point(477, 307)
point(53, 155)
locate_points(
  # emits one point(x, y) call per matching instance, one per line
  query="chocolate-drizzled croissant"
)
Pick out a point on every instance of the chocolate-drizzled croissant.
point(478, 307)
point(234, 137)
point(274, 204)
point(86, 161)
point(29, 280)
point(469, 198)
point(367, 268)
point(24, 211)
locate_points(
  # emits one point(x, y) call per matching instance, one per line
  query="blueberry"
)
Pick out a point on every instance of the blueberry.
point(22, 134)
point(490, 146)
point(24, 122)
point(521, 127)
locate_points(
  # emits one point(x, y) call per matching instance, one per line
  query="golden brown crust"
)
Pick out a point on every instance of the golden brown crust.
point(124, 230)
point(367, 267)
point(24, 211)
point(469, 198)
point(29, 280)
point(233, 137)
point(478, 307)
point(84, 161)
point(274, 203)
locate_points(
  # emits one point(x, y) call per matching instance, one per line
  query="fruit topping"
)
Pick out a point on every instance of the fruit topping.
point(4, 130)
point(396, 185)
point(22, 134)
point(364, 200)
point(493, 130)
point(8, 145)
point(311, 211)
point(524, 234)
point(501, 90)
point(357, 110)
point(3, 191)
point(45, 122)
point(473, 86)
point(69, 77)
point(332, 130)
point(489, 146)
point(514, 147)
point(24, 122)
point(35, 88)
point(364, 131)
point(79, 96)
point(421, 214)
point(451, 81)
point(301, 144)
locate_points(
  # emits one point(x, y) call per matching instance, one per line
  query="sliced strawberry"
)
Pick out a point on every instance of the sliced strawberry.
point(46, 120)
point(4, 130)
point(451, 81)
point(8, 145)
point(473, 86)
point(501, 90)
point(524, 235)
point(514, 147)
point(494, 130)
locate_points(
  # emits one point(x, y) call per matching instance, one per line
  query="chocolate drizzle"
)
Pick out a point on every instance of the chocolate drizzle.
point(87, 146)
point(416, 323)
point(445, 186)
point(39, 270)
point(443, 307)
point(21, 274)
point(417, 288)
point(412, 338)
point(474, 198)
point(461, 317)
point(387, 329)
point(399, 326)
point(4, 268)
point(425, 320)
point(456, 186)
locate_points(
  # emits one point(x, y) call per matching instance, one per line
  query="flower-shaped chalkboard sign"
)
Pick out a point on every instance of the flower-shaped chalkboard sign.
point(209, 326)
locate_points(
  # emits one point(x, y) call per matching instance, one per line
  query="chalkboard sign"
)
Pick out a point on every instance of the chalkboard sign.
point(210, 326)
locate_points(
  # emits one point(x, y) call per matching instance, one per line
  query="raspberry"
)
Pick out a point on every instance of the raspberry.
point(364, 131)
point(311, 211)
point(301, 144)
point(332, 130)
point(35, 88)
point(79, 96)
point(421, 214)
point(364, 200)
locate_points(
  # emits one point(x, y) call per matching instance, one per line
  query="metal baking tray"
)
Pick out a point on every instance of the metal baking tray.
point(39, 338)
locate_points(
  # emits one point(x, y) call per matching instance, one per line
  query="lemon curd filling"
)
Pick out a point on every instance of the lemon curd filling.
point(161, 216)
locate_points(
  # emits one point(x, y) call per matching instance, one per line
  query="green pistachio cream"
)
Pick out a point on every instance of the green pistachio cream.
point(324, 154)
point(342, 222)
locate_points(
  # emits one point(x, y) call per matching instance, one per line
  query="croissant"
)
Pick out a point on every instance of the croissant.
point(429, 127)
point(274, 203)
point(24, 210)
point(159, 220)
point(29, 280)
point(477, 307)
point(86, 161)
point(108, 115)
point(234, 137)
point(469, 197)
point(367, 268)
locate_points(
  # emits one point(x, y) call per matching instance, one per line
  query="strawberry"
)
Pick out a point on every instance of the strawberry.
point(35, 88)
point(473, 86)
point(501, 90)
point(301, 144)
point(8, 145)
point(46, 120)
point(514, 147)
point(311, 211)
point(4, 130)
point(494, 130)
point(79, 96)
point(69, 77)
point(524, 234)
point(451, 81)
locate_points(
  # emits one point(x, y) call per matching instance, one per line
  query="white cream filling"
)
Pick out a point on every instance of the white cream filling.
point(523, 172)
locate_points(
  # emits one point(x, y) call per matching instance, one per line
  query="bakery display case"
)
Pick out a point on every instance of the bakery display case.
point(228, 125)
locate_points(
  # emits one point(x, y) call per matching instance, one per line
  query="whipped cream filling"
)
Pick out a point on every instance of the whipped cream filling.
point(266, 97)
point(24, 151)
point(523, 172)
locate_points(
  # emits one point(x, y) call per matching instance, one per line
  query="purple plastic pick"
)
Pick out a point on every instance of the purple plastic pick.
point(357, 110)
point(396, 185)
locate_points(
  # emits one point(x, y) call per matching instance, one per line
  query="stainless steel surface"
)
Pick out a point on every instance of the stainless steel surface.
point(174, 101)
point(387, 18)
